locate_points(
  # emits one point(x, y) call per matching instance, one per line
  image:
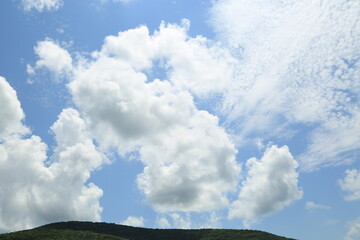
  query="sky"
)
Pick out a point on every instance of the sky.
point(182, 114)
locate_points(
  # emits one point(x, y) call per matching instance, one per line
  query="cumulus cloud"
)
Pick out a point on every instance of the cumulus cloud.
point(52, 57)
point(351, 184)
point(190, 168)
point(354, 230)
point(294, 72)
point(42, 5)
point(35, 189)
point(195, 64)
point(271, 184)
point(134, 221)
point(11, 112)
point(189, 159)
point(311, 206)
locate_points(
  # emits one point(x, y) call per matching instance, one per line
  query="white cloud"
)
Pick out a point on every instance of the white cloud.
point(183, 220)
point(311, 206)
point(162, 222)
point(134, 221)
point(354, 230)
point(190, 168)
point(214, 221)
point(351, 184)
point(10, 111)
point(42, 5)
point(294, 72)
point(196, 64)
point(51, 56)
point(35, 189)
point(30, 69)
point(271, 184)
point(175, 220)
point(189, 160)
point(323, 150)
point(33, 193)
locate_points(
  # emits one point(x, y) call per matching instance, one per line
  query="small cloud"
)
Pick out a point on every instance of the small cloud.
point(182, 222)
point(162, 222)
point(311, 206)
point(30, 70)
point(214, 221)
point(134, 221)
point(260, 145)
point(116, 1)
point(271, 185)
point(351, 184)
point(60, 30)
point(51, 57)
point(41, 5)
point(353, 230)
point(175, 220)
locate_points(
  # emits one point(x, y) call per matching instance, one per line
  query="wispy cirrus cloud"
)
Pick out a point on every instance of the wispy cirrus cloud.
point(311, 206)
point(298, 65)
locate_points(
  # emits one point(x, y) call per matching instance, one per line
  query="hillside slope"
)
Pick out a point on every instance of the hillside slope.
point(107, 231)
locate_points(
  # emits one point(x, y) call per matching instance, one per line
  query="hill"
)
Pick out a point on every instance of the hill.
point(108, 231)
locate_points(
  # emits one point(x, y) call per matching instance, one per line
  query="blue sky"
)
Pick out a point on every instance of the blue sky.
point(182, 114)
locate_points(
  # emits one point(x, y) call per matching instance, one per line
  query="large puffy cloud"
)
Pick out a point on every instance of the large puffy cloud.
point(203, 66)
point(299, 65)
point(271, 184)
point(195, 64)
point(189, 168)
point(51, 56)
point(351, 184)
point(354, 230)
point(35, 189)
point(10, 111)
point(189, 160)
point(42, 5)
point(33, 193)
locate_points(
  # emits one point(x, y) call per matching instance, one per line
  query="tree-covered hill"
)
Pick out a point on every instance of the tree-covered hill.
point(107, 231)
